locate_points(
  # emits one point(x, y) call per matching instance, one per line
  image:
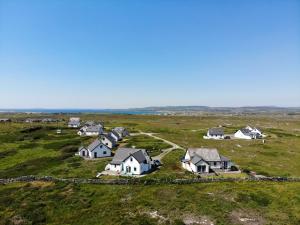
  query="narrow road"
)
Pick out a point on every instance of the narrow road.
point(164, 151)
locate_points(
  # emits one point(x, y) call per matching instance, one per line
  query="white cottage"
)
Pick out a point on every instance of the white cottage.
point(204, 160)
point(215, 133)
point(74, 122)
point(108, 140)
point(115, 135)
point(248, 133)
point(130, 161)
point(95, 150)
point(123, 132)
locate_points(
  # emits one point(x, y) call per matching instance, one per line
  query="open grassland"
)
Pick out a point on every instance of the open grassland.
point(36, 149)
point(215, 203)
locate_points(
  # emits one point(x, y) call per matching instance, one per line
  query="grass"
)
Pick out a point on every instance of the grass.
point(50, 203)
point(36, 149)
point(153, 146)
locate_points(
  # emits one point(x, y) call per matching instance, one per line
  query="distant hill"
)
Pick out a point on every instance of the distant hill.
point(245, 109)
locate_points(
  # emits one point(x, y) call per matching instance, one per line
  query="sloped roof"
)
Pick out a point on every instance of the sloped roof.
point(94, 144)
point(209, 155)
point(109, 137)
point(116, 134)
point(123, 153)
point(216, 131)
point(95, 128)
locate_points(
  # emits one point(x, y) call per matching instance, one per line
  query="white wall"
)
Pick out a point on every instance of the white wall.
point(100, 152)
point(106, 142)
point(239, 134)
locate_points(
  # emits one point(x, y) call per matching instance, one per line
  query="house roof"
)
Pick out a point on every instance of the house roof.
point(74, 122)
point(81, 147)
point(109, 137)
point(216, 131)
point(123, 153)
point(209, 155)
point(94, 144)
point(89, 123)
point(246, 131)
point(224, 159)
point(95, 128)
point(116, 134)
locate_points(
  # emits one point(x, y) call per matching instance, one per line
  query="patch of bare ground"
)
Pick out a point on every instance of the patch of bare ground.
point(156, 215)
point(246, 218)
point(17, 220)
point(194, 220)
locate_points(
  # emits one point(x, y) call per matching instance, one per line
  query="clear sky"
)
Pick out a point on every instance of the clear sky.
point(119, 54)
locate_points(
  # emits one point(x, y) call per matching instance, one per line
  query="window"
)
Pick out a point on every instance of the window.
point(115, 166)
point(134, 168)
point(131, 159)
point(101, 146)
point(104, 152)
point(83, 153)
point(215, 163)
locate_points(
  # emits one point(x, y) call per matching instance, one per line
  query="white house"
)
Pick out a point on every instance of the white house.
point(215, 133)
point(108, 140)
point(94, 130)
point(95, 150)
point(74, 122)
point(130, 161)
point(123, 132)
point(115, 135)
point(204, 160)
point(248, 133)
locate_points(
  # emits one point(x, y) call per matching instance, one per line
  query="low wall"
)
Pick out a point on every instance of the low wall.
point(138, 181)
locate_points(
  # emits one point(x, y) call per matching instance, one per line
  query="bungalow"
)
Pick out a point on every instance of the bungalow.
point(248, 133)
point(204, 160)
point(91, 130)
point(108, 140)
point(130, 161)
point(74, 122)
point(123, 132)
point(95, 150)
point(115, 135)
point(215, 133)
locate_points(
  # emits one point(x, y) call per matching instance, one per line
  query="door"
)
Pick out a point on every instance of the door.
point(95, 154)
point(128, 169)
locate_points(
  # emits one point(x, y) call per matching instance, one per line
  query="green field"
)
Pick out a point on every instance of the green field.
point(36, 149)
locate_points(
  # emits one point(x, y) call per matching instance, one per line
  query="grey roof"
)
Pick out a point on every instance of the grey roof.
point(224, 159)
point(94, 144)
point(74, 122)
point(90, 123)
point(245, 131)
point(196, 159)
point(110, 138)
point(95, 128)
point(123, 153)
point(209, 155)
point(216, 131)
point(116, 134)
point(80, 148)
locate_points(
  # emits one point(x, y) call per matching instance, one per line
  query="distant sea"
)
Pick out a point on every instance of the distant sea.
point(70, 111)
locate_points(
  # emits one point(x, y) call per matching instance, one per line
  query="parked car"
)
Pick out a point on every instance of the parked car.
point(156, 162)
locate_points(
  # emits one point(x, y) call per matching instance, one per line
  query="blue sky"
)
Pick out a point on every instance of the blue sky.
point(119, 54)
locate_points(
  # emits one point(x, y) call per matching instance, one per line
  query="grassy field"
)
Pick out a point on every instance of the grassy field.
point(224, 203)
point(153, 146)
point(36, 149)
